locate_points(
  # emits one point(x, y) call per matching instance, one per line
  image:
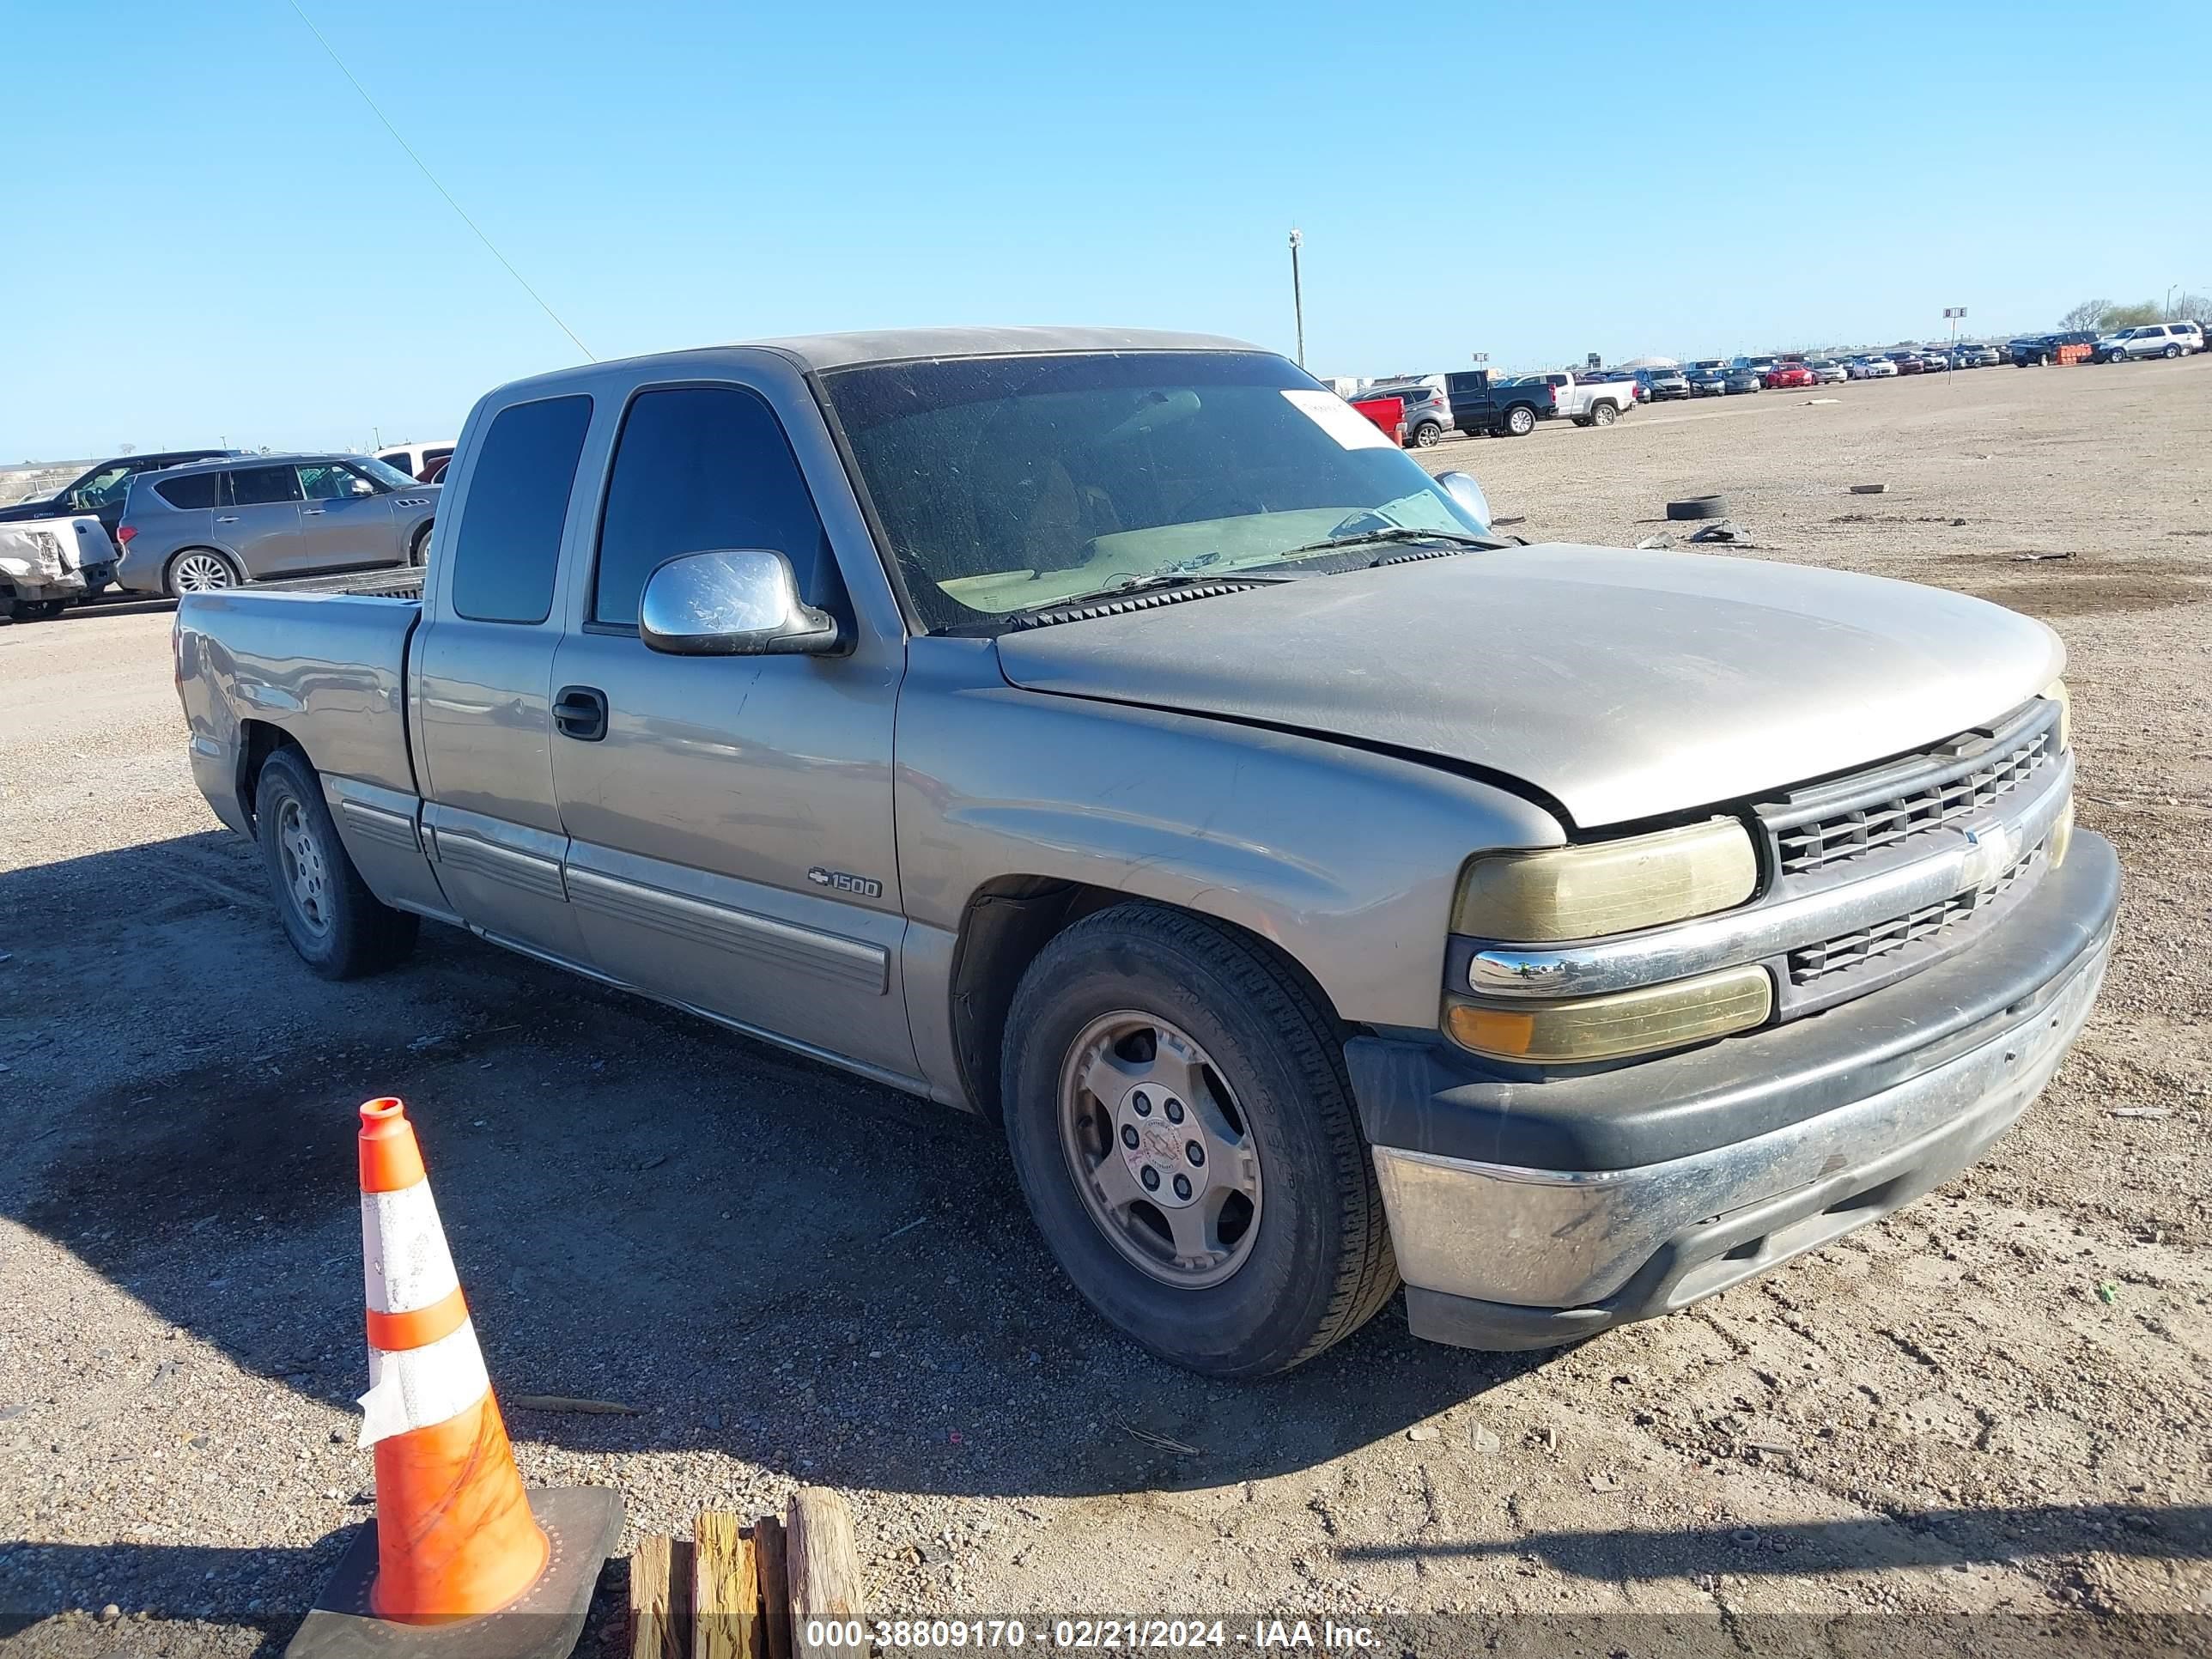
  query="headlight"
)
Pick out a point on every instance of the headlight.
point(2057, 693)
point(1609, 887)
point(1642, 1021)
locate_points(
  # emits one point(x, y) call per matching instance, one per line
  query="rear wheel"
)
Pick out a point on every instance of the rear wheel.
point(338, 926)
point(199, 570)
point(2173, 351)
point(1184, 1132)
point(1603, 415)
point(1520, 420)
point(1428, 434)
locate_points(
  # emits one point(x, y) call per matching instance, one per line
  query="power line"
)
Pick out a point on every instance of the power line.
point(433, 178)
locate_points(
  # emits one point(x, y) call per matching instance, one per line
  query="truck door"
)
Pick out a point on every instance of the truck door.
point(730, 822)
point(482, 683)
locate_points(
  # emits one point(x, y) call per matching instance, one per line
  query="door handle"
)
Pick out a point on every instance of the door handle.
point(312, 511)
point(580, 712)
point(233, 518)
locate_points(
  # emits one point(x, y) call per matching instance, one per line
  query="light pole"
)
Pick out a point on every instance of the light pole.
point(1298, 295)
point(2170, 286)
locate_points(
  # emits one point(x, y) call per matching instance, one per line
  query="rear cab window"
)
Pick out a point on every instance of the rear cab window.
point(507, 555)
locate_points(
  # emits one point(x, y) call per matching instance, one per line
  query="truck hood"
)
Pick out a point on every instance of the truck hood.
point(1622, 685)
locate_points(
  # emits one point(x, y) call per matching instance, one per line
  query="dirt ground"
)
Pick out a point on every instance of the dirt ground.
point(1997, 1402)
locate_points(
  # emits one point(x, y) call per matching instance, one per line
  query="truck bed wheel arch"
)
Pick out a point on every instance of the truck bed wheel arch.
point(257, 741)
point(1007, 922)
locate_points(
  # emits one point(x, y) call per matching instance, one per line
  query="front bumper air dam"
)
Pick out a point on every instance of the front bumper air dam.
point(1840, 1119)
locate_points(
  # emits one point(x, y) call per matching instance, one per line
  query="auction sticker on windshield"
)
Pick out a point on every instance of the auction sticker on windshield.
point(1338, 418)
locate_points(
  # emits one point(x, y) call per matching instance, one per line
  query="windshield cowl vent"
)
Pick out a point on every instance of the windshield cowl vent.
point(1134, 602)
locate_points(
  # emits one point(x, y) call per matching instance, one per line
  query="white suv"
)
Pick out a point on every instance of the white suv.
point(2156, 340)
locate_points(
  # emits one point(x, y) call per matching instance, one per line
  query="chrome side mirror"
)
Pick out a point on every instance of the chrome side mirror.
point(1462, 489)
point(733, 602)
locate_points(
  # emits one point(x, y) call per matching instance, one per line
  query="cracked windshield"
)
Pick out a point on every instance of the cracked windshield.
point(1015, 484)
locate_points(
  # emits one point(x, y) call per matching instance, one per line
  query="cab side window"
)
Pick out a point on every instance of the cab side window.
point(259, 486)
point(698, 468)
point(508, 550)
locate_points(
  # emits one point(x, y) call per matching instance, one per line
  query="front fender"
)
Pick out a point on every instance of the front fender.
point(1345, 858)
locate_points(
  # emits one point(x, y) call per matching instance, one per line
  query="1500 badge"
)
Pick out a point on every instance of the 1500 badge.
point(838, 881)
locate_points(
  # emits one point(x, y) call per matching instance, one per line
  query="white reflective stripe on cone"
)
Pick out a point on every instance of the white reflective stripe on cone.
point(404, 1262)
point(422, 1386)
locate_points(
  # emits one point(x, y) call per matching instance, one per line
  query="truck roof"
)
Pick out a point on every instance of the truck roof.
point(828, 351)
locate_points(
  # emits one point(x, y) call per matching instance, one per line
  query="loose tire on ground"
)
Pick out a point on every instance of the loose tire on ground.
point(1699, 507)
point(1313, 1262)
point(334, 922)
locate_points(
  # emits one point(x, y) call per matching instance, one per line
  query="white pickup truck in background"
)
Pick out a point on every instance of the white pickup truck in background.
point(43, 561)
point(1590, 403)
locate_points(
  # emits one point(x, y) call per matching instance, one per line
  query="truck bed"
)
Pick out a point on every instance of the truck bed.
point(328, 670)
point(393, 581)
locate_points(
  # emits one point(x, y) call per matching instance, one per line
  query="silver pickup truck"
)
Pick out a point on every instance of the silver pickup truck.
point(1114, 734)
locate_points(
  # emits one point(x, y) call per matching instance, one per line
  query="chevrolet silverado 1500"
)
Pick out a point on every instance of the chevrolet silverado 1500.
point(1114, 734)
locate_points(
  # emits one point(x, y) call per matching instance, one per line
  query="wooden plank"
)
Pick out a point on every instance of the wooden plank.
point(725, 1594)
point(775, 1586)
point(824, 1573)
point(660, 1599)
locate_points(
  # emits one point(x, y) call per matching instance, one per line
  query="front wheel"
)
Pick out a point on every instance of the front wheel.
point(1184, 1132)
point(418, 550)
point(1520, 420)
point(339, 927)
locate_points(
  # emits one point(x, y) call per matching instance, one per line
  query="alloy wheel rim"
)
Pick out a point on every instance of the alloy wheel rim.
point(306, 875)
point(1162, 1154)
point(198, 572)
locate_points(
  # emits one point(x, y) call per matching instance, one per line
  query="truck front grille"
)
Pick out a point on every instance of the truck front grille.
point(1846, 952)
point(1819, 828)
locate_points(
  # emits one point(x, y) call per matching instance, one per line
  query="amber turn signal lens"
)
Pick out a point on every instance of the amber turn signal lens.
point(1638, 1021)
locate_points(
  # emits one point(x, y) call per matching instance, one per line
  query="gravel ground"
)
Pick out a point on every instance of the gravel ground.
point(1994, 1403)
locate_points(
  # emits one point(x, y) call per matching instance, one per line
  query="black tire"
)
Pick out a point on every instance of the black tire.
point(1603, 415)
point(1319, 1264)
point(1428, 434)
point(355, 934)
point(1520, 420)
point(418, 550)
point(30, 610)
point(1699, 507)
point(1580, 420)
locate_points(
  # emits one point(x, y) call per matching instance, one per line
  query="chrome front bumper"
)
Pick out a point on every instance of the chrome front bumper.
point(1499, 1253)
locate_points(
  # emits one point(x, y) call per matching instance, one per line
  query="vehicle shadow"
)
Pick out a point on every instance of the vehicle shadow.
point(755, 1253)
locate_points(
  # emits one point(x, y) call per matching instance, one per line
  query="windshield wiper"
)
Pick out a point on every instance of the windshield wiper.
point(1151, 584)
point(1393, 534)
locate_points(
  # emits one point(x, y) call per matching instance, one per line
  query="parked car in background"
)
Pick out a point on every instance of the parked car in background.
point(1784, 375)
point(1707, 380)
point(47, 565)
point(1758, 366)
point(214, 524)
point(1828, 371)
point(1588, 402)
point(1976, 355)
point(1663, 384)
point(1505, 408)
point(1872, 368)
point(99, 490)
point(1428, 408)
point(1571, 932)
point(2157, 340)
point(1743, 380)
point(418, 461)
point(1909, 362)
point(2034, 350)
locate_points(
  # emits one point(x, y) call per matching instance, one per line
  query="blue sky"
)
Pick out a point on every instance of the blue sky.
point(212, 238)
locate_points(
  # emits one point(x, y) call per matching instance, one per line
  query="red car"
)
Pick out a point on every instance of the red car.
point(1789, 374)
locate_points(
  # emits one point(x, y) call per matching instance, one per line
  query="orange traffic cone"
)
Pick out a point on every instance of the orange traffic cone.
point(462, 1558)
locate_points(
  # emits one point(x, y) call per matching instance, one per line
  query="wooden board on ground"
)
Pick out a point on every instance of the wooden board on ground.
point(824, 1573)
point(769, 1566)
point(725, 1591)
point(661, 1599)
